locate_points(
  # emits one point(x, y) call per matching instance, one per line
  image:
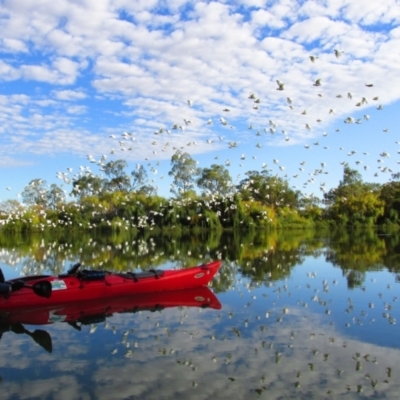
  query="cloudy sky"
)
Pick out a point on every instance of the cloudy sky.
point(76, 75)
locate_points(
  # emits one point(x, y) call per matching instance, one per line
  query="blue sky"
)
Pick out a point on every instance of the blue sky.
point(76, 75)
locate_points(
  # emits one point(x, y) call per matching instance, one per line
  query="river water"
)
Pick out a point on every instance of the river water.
point(296, 315)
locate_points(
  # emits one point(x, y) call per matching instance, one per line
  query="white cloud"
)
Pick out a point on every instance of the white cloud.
point(62, 71)
point(144, 65)
point(69, 95)
point(265, 18)
point(7, 162)
point(76, 110)
point(7, 72)
point(372, 13)
point(38, 73)
point(66, 67)
point(110, 67)
point(364, 13)
point(13, 45)
point(285, 9)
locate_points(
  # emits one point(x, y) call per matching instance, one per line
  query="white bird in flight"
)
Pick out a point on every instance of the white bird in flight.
point(317, 82)
point(223, 121)
point(281, 85)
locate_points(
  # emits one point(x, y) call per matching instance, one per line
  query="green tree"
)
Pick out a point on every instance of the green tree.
point(350, 176)
point(140, 182)
point(184, 171)
point(215, 179)
point(350, 184)
point(118, 178)
point(55, 196)
point(10, 205)
point(35, 193)
point(87, 185)
point(310, 207)
point(353, 201)
point(390, 194)
point(269, 190)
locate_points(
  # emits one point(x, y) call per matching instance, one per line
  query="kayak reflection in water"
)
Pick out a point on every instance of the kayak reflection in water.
point(96, 311)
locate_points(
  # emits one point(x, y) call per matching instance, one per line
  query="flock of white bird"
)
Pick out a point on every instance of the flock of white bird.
point(168, 142)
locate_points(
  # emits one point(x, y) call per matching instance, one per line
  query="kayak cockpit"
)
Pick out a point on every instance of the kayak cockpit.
point(95, 275)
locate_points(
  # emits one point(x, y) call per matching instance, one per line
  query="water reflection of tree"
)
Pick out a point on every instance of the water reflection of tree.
point(392, 257)
point(266, 256)
point(260, 255)
point(357, 252)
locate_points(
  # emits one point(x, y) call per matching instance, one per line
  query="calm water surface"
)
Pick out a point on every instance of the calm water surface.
point(302, 315)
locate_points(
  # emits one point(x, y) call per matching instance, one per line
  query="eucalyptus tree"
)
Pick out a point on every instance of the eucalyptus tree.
point(310, 207)
point(351, 183)
point(35, 193)
point(215, 180)
point(390, 194)
point(270, 190)
point(140, 182)
point(354, 201)
point(38, 193)
point(9, 206)
point(55, 196)
point(118, 178)
point(87, 185)
point(184, 171)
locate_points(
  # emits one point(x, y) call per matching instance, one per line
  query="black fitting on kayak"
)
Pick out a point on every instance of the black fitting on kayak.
point(5, 288)
point(88, 275)
point(156, 273)
point(74, 269)
point(8, 287)
point(17, 285)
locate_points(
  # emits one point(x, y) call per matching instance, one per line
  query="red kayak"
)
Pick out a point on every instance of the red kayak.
point(84, 285)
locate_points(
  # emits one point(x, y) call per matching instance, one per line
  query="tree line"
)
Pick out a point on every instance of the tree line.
point(203, 198)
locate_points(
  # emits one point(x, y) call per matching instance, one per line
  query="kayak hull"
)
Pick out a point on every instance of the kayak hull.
point(74, 288)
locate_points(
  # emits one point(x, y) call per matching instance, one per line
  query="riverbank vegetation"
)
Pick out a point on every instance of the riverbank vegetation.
point(202, 199)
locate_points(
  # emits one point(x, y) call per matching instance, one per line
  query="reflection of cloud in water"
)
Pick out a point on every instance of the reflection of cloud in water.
point(268, 356)
point(63, 387)
point(318, 362)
